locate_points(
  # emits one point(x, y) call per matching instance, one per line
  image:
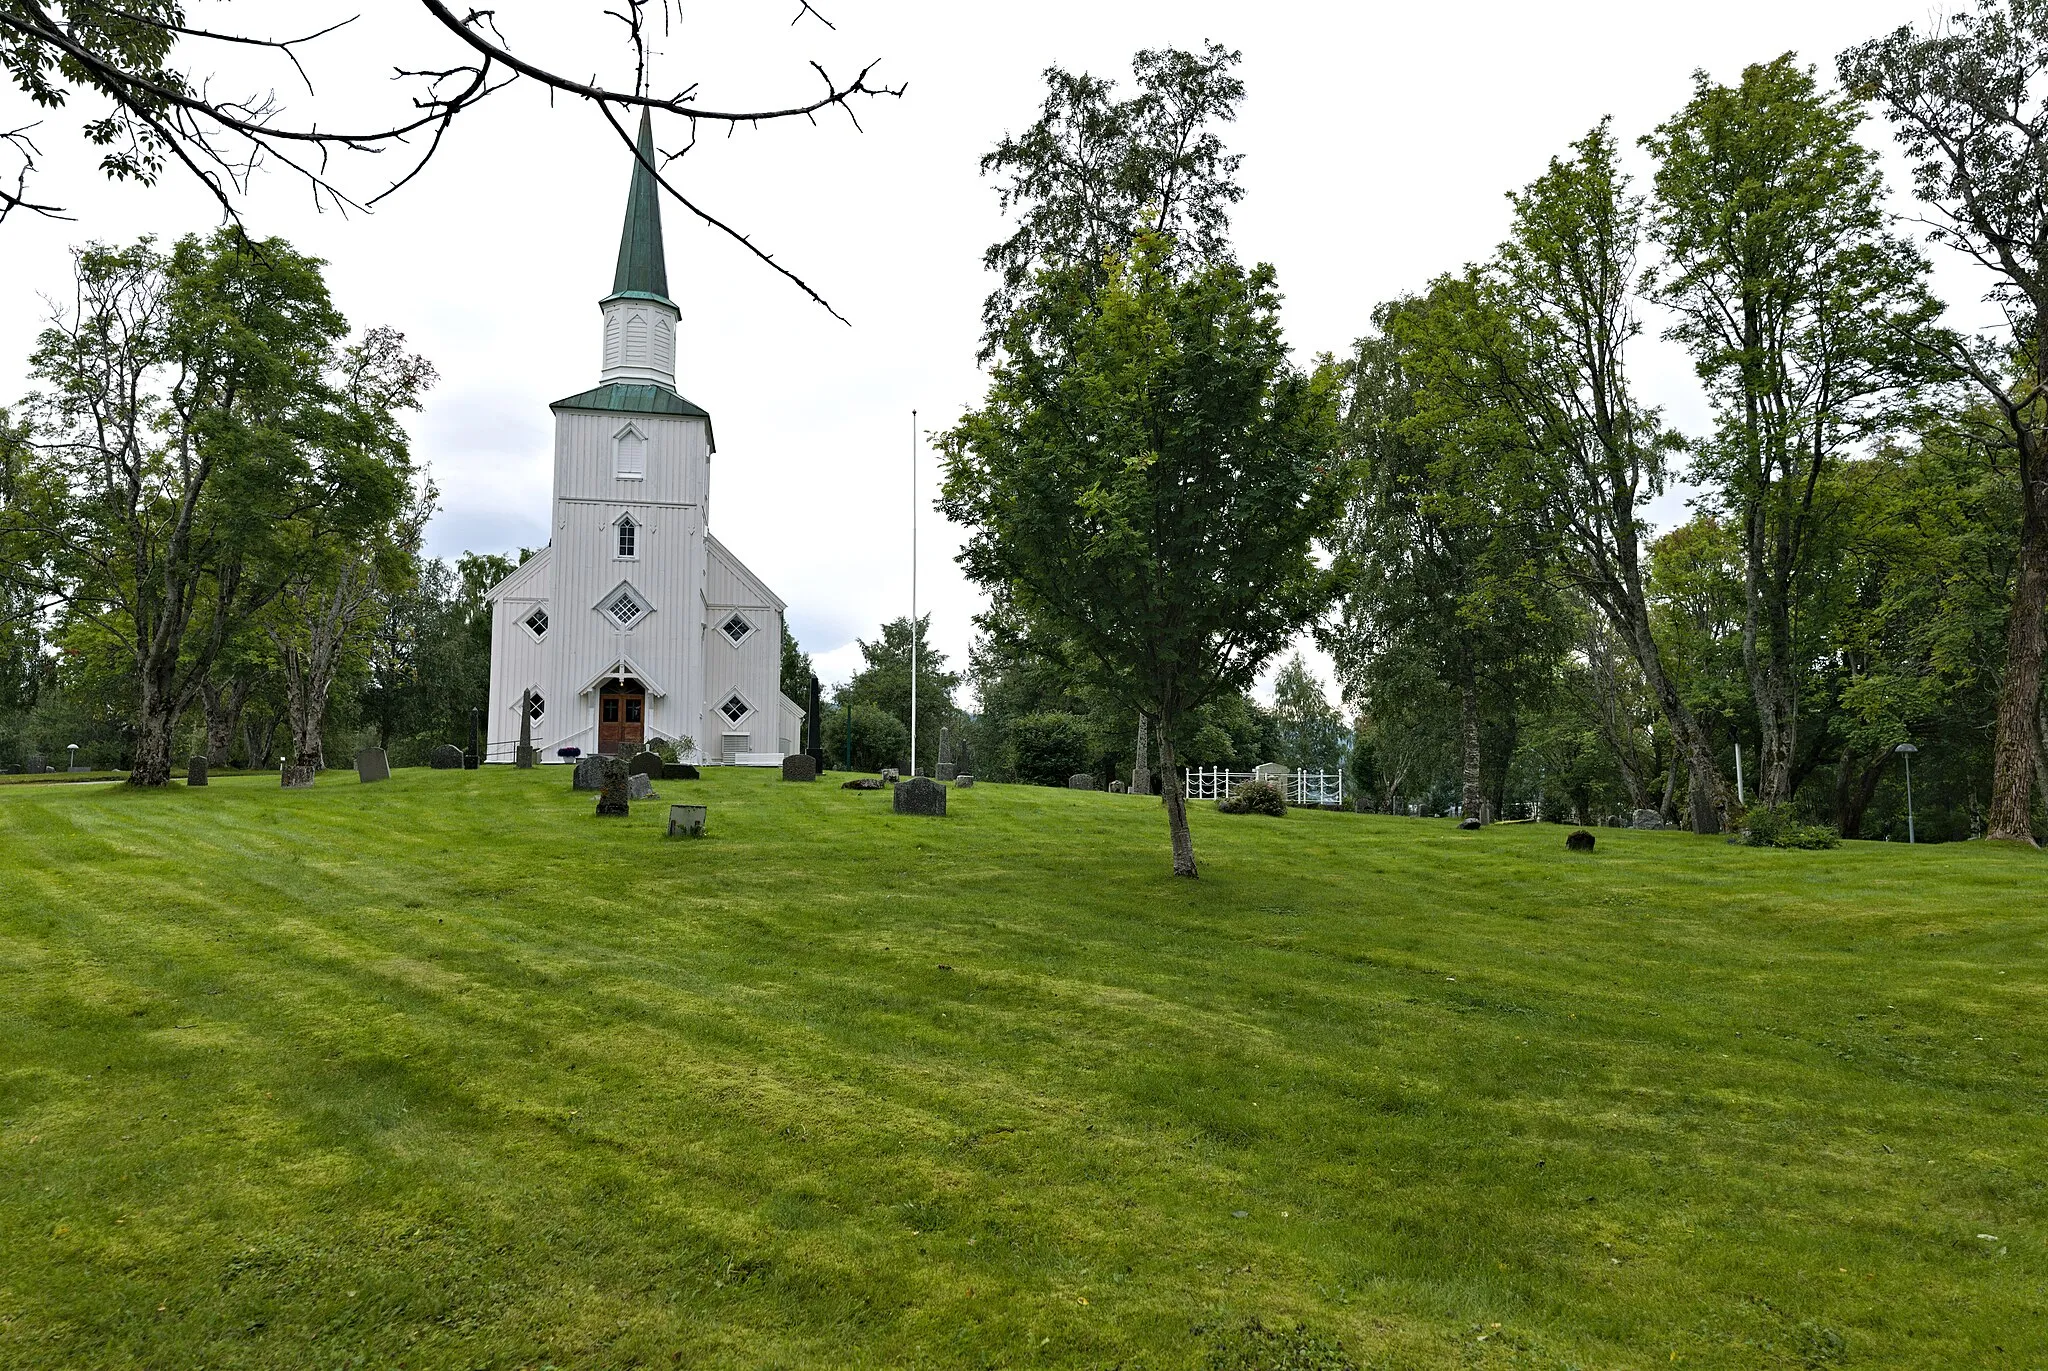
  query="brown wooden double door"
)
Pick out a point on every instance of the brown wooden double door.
point(621, 717)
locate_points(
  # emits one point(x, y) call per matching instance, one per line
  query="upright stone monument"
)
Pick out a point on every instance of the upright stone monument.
point(195, 770)
point(799, 766)
point(446, 757)
point(645, 764)
point(921, 795)
point(640, 786)
point(1116, 787)
point(1080, 780)
point(1646, 818)
point(963, 780)
point(373, 764)
point(1141, 769)
point(1270, 771)
point(589, 773)
point(613, 800)
point(523, 759)
point(295, 777)
point(686, 821)
point(945, 754)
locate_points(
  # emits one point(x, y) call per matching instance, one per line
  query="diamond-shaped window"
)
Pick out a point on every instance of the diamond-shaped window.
point(734, 708)
point(736, 628)
point(535, 705)
point(625, 608)
point(537, 623)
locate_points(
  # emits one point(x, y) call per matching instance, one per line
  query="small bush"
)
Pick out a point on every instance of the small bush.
point(1781, 828)
point(1254, 797)
point(1251, 1346)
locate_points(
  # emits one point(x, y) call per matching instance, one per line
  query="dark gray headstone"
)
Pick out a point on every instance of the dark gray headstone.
point(640, 786)
point(798, 767)
point(34, 765)
point(446, 757)
point(1581, 841)
point(1470, 823)
point(1647, 818)
point(921, 795)
point(644, 764)
point(678, 771)
point(1116, 787)
point(195, 770)
point(861, 783)
point(295, 778)
point(1080, 780)
point(686, 821)
point(890, 775)
point(589, 773)
point(612, 801)
point(372, 764)
point(963, 781)
point(945, 766)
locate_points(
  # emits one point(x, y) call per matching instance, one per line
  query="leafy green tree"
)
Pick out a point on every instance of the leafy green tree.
point(1312, 733)
point(1094, 171)
point(1051, 747)
point(1794, 299)
point(877, 738)
point(1968, 100)
point(1144, 480)
point(796, 668)
point(884, 682)
point(185, 431)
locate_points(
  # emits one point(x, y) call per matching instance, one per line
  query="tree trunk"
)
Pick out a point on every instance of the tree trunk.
point(1176, 807)
point(1855, 788)
point(2011, 814)
point(156, 720)
point(257, 739)
point(1472, 800)
point(223, 717)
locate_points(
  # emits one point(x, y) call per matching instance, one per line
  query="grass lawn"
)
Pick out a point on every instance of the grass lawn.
point(448, 1072)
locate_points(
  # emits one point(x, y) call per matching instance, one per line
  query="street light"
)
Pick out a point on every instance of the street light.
point(72, 765)
point(1908, 749)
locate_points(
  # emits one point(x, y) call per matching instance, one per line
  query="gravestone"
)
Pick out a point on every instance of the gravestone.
point(678, 771)
point(1270, 771)
point(1141, 770)
point(523, 758)
point(1581, 841)
point(645, 764)
point(612, 800)
point(1647, 818)
point(861, 783)
point(963, 780)
point(34, 765)
point(890, 775)
point(589, 773)
point(1080, 780)
point(640, 786)
point(1116, 788)
point(195, 770)
point(921, 795)
point(945, 767)
point(686, 821)
point(799, 766)
point(446, 757)
point(372, 764)
point(295, 778)
point(1469, 824)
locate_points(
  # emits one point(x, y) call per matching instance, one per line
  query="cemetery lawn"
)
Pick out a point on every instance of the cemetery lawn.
point(447, 1072)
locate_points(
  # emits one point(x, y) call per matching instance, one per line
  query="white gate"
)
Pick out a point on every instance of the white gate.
point(1298, 787)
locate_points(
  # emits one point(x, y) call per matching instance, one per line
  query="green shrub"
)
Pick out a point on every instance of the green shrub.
point(1254, 797)
point(1049, 747)
point(1251, 1346)
point(1780, 827)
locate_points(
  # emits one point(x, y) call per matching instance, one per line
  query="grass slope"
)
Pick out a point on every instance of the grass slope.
point(450, 1073)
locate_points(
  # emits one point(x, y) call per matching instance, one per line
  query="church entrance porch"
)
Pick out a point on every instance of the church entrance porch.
point(621, 717)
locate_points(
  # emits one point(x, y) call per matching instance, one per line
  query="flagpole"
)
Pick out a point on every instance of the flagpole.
point(913, 592)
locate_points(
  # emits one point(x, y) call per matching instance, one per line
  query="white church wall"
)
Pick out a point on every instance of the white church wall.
point(753, 666)
point(518, 662)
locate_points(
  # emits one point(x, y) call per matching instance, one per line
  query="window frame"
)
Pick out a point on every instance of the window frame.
point(547, 622)
point(625, 590)
point(626, 527)
point(752, 628)
point(730, 696)
point(619, 473)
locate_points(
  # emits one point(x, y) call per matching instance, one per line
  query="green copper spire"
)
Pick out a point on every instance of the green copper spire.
point(642, 269)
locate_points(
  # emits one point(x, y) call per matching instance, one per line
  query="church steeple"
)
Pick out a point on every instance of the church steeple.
point(640, 321)
point(642, 270)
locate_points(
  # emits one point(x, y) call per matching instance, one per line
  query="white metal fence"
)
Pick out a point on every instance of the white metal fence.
point(1297, 787)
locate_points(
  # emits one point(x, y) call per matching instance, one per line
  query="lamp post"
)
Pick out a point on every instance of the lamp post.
point(1908, 749)
point(72, 765)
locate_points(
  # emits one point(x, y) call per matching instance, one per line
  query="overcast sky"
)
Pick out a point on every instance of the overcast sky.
point(1379, 140)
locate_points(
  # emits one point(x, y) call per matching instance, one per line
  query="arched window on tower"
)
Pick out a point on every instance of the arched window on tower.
point(629, 537)
point(611, 340)
point(636, 339)
point(629, 454)
point(664, 344)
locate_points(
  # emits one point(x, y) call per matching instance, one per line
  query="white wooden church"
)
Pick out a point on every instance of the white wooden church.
point(634, 624)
